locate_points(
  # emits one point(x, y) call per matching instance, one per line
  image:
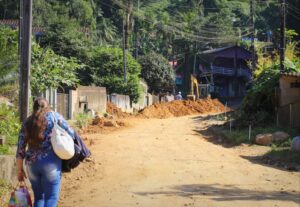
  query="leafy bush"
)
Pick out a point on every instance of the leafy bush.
point(157, 72)
point(107, 70)
point(82, 120)
point(5, 189)
point(9, 124)
point(51, 70)
point(10, 91)
point(258, 106)
point(8, 51)
point(5, 150)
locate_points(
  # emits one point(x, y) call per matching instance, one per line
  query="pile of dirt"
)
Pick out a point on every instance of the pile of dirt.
point(103, 124)
point(115, 111)
point(182, 108)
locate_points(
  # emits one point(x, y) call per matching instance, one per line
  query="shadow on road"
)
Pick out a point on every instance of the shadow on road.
point(225, 193)
point(207, 128)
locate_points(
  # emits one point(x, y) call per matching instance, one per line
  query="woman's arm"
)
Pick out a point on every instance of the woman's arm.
point(20, 171)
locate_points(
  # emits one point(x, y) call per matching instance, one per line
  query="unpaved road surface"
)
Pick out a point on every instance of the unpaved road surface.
point(166, 162)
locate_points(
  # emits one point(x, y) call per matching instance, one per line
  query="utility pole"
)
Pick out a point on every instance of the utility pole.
point(282, 32)
point(137, 34)
point(252, 20)
point(124, 51)
point(25, 27)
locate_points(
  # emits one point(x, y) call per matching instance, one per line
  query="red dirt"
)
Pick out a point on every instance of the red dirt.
point(102, 125)
point(182, 108)
point(115, 111)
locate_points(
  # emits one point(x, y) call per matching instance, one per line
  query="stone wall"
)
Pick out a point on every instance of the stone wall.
point(88, 98)
point(8, 168)
point(121, 101)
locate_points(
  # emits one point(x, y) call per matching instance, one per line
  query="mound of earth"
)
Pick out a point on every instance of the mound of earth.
point(182, 108)
point(115, 111)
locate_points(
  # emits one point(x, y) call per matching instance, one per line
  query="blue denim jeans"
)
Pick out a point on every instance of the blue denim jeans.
point(45, 177)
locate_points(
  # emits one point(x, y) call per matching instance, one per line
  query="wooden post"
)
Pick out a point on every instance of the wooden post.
point(291, 115)
point(282, 34)
point(2, 140)
point(277, 117)
point(250, 133)
point(252, 19)
point(25, 57)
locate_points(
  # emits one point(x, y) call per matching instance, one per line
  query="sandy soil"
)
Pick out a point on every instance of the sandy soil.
point(167, 162)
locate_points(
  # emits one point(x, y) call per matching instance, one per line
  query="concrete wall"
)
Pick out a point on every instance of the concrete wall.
point(8, 168)
point(287, 94)
point(88, 97)
point(155, 99)
point(167, 98)
point(121, 101)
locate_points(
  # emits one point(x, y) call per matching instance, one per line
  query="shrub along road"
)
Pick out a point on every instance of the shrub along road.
point(166, 162)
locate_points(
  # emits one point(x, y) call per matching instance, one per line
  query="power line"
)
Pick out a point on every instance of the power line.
point(294, 8)
point(200, 31)
point(182, 34)
point(296, 17)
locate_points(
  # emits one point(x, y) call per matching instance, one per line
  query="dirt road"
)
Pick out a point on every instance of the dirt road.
point(166, 162)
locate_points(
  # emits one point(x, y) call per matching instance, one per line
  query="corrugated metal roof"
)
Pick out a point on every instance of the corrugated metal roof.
point(291, 74)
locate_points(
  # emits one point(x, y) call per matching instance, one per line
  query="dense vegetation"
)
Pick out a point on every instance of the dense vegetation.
point(107, 70)
point(258, 107)
point(176, 29)
point(157, 72)
point(81, 41)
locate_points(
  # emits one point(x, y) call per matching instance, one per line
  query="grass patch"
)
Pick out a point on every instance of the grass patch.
point(5, 189)
point(238, 136)
point(279, 151)
point(82, 120)
point(5, 150)
point(284, 154)
point(9, 128)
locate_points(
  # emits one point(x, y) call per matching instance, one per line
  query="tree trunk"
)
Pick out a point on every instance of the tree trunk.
point(128, 22)
point(186, 72)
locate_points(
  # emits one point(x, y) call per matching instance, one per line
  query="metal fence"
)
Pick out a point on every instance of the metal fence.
point(289, 115)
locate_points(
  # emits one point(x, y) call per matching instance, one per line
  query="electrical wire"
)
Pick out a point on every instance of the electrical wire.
point(294, 8)
point(191, 36)
point(296, 17)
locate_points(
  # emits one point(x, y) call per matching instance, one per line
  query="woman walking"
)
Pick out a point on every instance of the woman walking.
point(34, 146)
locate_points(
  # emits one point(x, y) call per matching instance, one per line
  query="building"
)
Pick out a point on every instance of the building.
point(288, 107)
point(226, 70)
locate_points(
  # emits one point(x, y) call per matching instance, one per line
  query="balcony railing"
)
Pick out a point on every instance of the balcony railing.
point(227, 71)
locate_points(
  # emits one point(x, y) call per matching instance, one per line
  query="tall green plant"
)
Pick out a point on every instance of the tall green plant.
point(8, 54)
point(107, 71)
point(50, 70)
point(157, 72)
point(9, 124)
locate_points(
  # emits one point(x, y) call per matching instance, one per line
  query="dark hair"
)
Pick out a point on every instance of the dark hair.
point(35, 125)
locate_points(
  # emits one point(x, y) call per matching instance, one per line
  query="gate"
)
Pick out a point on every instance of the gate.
point(63, 104)
point(289, 115)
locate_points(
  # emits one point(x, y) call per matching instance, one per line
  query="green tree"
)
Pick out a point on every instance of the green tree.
point(107, 71)
point(50, 70)
point(8, 54)
point(65, 39)
point(157, 72)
